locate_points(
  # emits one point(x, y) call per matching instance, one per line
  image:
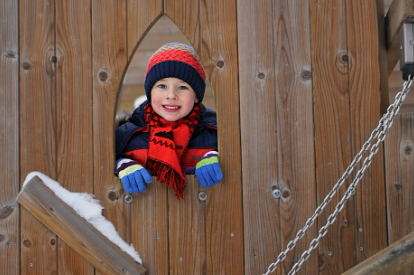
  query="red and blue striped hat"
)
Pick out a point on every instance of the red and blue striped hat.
point(176, 60)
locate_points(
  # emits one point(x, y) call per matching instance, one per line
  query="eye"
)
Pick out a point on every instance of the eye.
point(162, 86)
point(182, 87)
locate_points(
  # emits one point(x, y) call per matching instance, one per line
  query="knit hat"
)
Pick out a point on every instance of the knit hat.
point(179, 61)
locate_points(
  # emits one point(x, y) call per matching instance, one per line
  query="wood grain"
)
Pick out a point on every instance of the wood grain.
point(276, 92)
point(149, 227)
point(74, 108)
point(9, 138)
point(365, 75)
point(187, 227)
point(294, 120)
point(149, 212)
point(397, 258)
point(399, 166)
point(215, 45)
point(331, 63)
point(259, 148)
point(78, 233)
point(141, 16)
point(109, 45)
point(188, 24)
point(37, 125)
point(224, 222)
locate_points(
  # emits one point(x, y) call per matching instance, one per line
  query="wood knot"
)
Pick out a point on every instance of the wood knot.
point(261, 75)
point(306, 74)
point(103, 76)
point(397, 186)
point(112, 195)
point(321, 261)
point(52, 241)
point(6, 211)
point(10, 54)
point(286, 194)
point(342, 62)
point(408, 150)
point(27, 243)
point(54, 59)
point(26, 65)
point(220, 64)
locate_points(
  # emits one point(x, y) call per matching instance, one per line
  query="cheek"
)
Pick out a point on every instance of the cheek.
point(155, 97)
point(191, 101)
point(193, 98)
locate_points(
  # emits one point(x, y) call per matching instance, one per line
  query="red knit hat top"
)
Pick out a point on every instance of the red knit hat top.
point(176, 60)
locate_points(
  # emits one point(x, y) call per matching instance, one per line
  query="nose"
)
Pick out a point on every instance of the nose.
point(171, 93)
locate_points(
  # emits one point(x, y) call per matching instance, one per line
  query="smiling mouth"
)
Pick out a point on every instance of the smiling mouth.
point(171, 107)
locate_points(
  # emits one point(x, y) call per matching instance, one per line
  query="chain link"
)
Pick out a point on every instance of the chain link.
point(377, 134)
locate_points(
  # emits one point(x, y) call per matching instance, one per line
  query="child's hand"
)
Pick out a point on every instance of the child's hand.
point(208, 169)
point(132, 175)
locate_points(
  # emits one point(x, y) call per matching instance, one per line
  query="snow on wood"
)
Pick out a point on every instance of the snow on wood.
point(84, 205)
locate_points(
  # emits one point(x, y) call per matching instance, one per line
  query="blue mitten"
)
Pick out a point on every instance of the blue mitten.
point(133, 175)
point(208, 169)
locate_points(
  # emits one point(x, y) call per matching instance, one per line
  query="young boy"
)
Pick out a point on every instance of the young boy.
point(172, 133)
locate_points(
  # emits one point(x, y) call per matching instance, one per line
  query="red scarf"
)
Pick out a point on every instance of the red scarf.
point(166, 145)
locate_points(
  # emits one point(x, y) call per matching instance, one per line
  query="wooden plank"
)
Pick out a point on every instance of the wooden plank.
point(149, 211)
point(382, 57)
point(398, 12)
point(211, 29)
point(186, 15)
point(330, 73)
point(224, 222)
point(83, 237)
point(365, 103)
point(9, 137)
point(395, 259)
point(187, 217)
point(37, 125)
point(74, 112)
point(142, 15)
point(294, 122)
point(149, 225)
point(187, 227)
point(275, 81)
point(399, 175)
point(256, 77)
point(109, 47)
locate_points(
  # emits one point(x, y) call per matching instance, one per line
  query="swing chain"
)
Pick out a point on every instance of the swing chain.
point(379, 134)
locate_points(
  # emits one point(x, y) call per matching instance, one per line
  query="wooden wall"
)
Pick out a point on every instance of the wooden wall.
point(9, 138)
point(399, 167)
point(297, 87)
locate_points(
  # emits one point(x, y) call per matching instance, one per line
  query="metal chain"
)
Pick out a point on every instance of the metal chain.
point(379, 134)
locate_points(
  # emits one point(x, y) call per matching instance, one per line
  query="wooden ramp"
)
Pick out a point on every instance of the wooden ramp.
point(75, 231)
point(394, 259)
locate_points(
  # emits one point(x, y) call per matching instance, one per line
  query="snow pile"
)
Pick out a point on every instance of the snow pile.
point(88, 208)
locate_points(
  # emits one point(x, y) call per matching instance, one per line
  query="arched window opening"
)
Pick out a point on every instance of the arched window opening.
point(132, 92)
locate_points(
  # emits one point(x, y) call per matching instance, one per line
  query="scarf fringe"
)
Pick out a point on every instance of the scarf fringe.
point(168, 176)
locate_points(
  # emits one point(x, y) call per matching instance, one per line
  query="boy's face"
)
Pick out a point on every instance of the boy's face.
point(172, 98)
